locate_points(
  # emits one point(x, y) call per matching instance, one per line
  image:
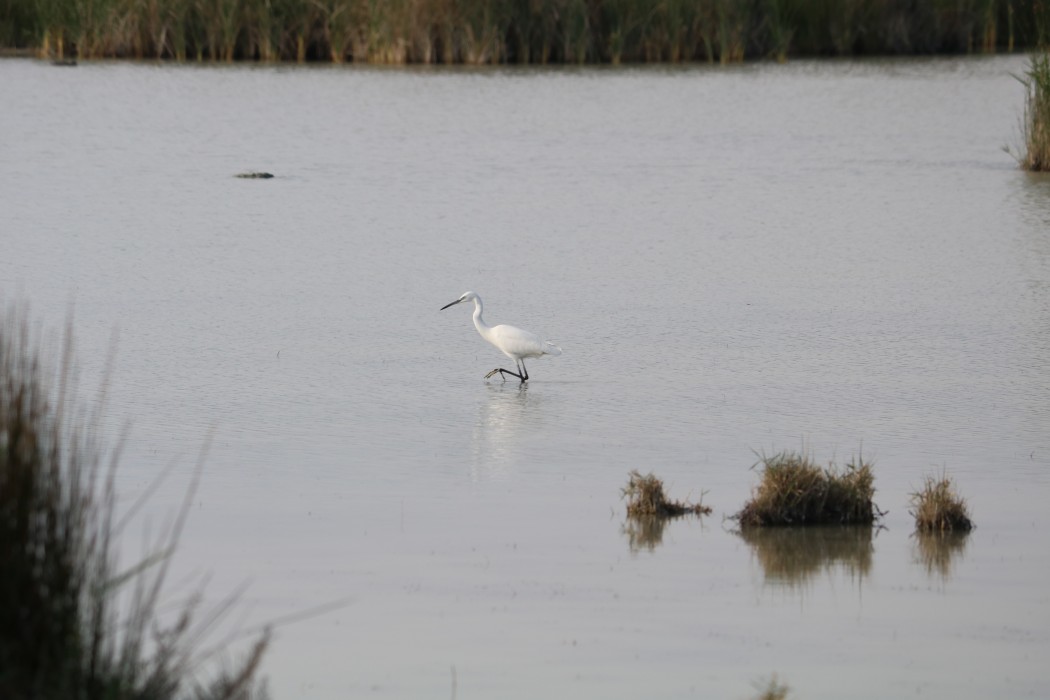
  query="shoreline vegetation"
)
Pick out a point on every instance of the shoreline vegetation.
point(540, 32)
point(1036, 124)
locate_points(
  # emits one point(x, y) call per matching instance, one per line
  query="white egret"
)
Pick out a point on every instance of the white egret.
point(515, 343)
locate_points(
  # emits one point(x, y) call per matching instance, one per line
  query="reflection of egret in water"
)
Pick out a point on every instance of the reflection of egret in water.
point(507, 416)
point(938, 551)
point(792, 556)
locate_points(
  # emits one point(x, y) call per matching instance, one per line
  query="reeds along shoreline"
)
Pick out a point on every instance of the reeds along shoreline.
point(1037, 113)
point(516, 31)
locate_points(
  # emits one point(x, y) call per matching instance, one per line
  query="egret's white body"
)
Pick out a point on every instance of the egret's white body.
point(514, 342)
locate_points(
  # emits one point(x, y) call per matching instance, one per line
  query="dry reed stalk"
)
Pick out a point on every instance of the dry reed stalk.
point(1036, 124)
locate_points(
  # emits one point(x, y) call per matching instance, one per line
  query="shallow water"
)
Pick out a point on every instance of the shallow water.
point(835, 256)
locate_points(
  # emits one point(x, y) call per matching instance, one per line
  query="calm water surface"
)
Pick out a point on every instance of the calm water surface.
point(832, 256)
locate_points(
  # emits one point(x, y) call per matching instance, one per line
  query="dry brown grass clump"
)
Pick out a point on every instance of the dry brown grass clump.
point(645, 497)
point(795, 491)
point(938, 508)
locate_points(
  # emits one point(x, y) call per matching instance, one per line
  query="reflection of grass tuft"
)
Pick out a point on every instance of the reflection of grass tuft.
point(938, 508)
point(644, 531)
point(937, 550)
point(60, 633)
point(795, 491)
point(793, 555)
point(645, 497)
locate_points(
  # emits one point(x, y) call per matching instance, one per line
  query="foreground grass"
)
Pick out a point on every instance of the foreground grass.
point(516, 31)
point(796, 491)
point(937, 507)
point(63, 632)
point(1036, 123)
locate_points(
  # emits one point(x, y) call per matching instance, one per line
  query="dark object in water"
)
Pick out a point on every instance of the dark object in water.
point(254, 176)
point(64, 62)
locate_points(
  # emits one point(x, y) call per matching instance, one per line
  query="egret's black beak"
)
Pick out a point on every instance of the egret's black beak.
point(448, 305)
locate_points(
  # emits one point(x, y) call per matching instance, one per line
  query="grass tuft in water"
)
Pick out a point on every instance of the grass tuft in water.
point(795, 491)
point(1036, 124)
point(646, 498)
point(938, 508)
point(773, 690)
point(61, 635)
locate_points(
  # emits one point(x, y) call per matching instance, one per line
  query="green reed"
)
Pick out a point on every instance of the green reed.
point(517, 31)
point(1036, 124)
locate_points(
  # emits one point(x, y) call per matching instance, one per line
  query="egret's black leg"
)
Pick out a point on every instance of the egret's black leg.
point(524, 372)
point(503, 373)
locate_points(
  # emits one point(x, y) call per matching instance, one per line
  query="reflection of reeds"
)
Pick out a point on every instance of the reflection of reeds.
point(644, 531)
point(60, 633)
point(795, 555)
point(937, 551)
point(795, 491)
point(501, 31)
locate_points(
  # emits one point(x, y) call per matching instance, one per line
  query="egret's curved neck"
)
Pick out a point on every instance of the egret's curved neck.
point(483, 328)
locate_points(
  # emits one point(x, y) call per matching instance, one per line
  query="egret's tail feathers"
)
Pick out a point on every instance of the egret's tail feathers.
point(550, 348)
